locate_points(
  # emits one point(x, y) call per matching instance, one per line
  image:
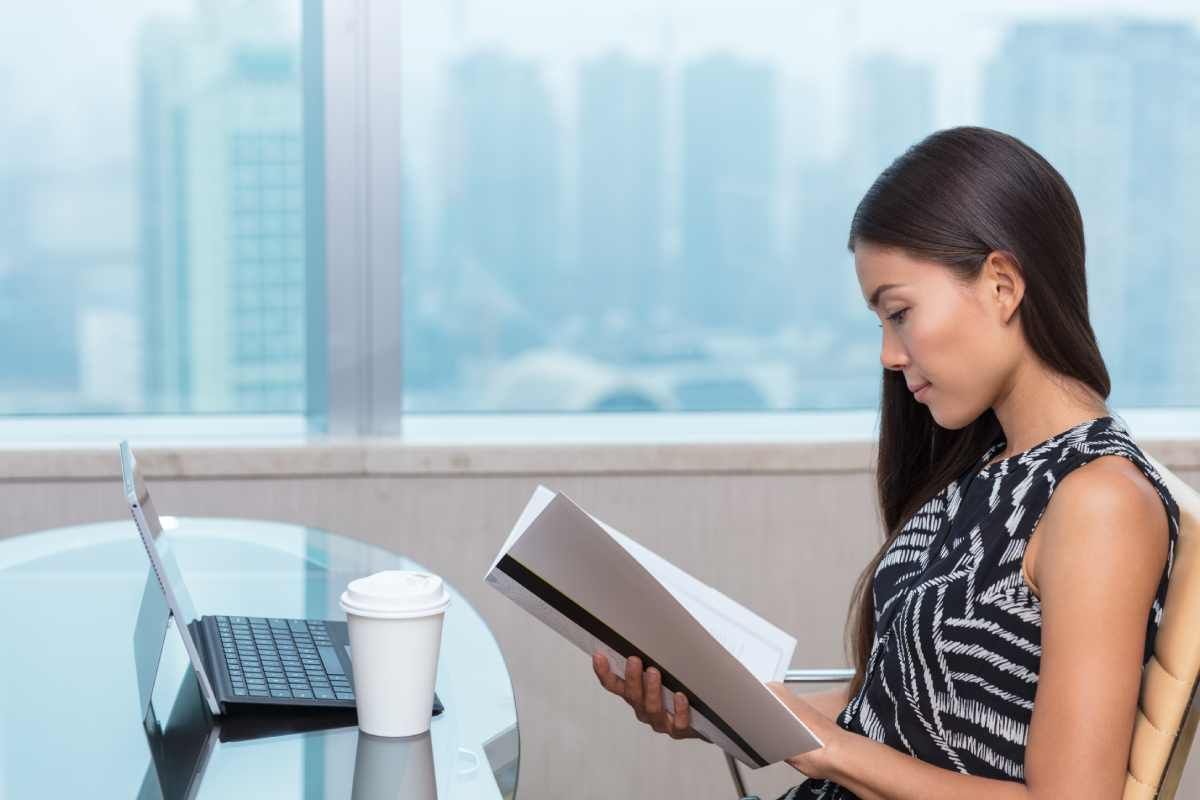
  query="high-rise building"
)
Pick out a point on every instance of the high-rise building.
point(730, 277)
point(620, 188)
point(892, 108)
point(1114, 106)
point(499, 241)
point(222, 211)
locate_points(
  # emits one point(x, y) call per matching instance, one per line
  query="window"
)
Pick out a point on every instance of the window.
point(597, 207)
point(627, 207)
point(151, 202)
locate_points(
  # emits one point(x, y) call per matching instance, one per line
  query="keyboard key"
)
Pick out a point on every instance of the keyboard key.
point(323, 694)
point(303, 694)
point(280, 693)
point(240, 691)
point(345, 695)
point(329, 656)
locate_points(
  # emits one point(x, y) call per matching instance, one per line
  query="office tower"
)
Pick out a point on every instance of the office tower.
point(620, 184)
point(892, 108)
point(730, 275)
point(499, 240)
point(66, 272)
point(221, 199)
point(1114, 106)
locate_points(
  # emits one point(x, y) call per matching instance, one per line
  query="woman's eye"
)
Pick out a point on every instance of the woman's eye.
point(896, 317)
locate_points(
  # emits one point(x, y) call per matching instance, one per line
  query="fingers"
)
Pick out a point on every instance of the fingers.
point(659, 718)
point(607, 678)
point(642, 689)
point(681, 720)
point(653, 692)
point(633, 682)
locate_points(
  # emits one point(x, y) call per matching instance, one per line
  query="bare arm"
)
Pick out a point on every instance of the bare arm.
point(830, 703)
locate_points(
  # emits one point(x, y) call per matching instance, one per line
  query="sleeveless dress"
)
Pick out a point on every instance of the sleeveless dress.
point(954, 666)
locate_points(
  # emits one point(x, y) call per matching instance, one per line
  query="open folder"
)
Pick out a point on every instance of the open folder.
point(604, 591)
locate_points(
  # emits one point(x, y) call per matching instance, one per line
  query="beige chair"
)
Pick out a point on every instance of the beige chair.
point(1168, 705)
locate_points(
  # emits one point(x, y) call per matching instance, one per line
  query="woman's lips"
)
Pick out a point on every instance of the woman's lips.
point(920, 391)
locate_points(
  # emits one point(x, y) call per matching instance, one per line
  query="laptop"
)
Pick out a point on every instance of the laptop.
point(239, 661)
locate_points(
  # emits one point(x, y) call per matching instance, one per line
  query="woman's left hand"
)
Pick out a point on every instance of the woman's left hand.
point(815, 763)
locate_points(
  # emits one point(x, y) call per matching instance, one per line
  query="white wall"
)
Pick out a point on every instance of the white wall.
point(784, 529)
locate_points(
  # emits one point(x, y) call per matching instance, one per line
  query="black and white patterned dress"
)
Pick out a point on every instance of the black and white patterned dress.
point(954, 666)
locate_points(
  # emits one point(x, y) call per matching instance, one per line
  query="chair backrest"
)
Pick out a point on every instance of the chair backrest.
point(1168, 705)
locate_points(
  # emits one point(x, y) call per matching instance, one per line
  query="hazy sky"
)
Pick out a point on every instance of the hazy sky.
point(67, 67)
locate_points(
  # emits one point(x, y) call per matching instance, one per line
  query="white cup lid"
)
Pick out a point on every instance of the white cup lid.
point(395, 593)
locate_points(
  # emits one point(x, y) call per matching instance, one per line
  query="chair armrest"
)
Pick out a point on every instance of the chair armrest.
point(818, 675)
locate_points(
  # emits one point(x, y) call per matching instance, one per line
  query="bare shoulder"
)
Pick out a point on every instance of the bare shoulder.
point(1109, 510)
point(1105, 539)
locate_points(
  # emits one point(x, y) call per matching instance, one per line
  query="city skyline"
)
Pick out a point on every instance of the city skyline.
point(621, 230)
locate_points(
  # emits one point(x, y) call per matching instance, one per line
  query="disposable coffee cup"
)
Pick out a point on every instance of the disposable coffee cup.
point(389, 768)
point(395, 621)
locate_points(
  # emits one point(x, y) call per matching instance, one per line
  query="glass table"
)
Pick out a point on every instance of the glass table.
point(70, 722)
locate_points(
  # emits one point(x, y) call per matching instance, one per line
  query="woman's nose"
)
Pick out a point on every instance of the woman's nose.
point(892, 354)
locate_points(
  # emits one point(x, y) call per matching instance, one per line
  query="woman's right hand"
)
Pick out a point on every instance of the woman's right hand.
point(643, 692)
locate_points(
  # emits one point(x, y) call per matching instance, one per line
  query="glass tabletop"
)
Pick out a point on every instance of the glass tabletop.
point(70, 722)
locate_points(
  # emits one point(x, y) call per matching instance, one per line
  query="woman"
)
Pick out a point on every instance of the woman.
point(991, 663)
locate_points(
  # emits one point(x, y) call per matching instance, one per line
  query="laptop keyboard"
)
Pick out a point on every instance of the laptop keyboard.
point(282, 658)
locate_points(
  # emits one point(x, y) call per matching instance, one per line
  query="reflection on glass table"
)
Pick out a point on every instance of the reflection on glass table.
point(70, 718)
point(384, 769)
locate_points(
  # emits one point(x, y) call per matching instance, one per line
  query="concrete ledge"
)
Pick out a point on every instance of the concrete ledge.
point(386, 457)
point(374, 457)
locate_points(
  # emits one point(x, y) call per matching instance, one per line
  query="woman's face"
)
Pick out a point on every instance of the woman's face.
point(959, 339)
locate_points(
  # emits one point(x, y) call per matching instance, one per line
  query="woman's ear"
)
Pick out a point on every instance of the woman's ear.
point(1005, 284)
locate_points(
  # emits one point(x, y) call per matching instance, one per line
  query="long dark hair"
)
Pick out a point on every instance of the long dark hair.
point(954, 198)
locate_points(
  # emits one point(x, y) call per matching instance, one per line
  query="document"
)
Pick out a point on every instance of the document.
point(602, 590)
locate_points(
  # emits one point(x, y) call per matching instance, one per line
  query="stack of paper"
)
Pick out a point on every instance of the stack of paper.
point(604, 591)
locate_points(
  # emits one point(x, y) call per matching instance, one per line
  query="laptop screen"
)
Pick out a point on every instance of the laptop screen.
point(166, 573)
point(138, 495)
